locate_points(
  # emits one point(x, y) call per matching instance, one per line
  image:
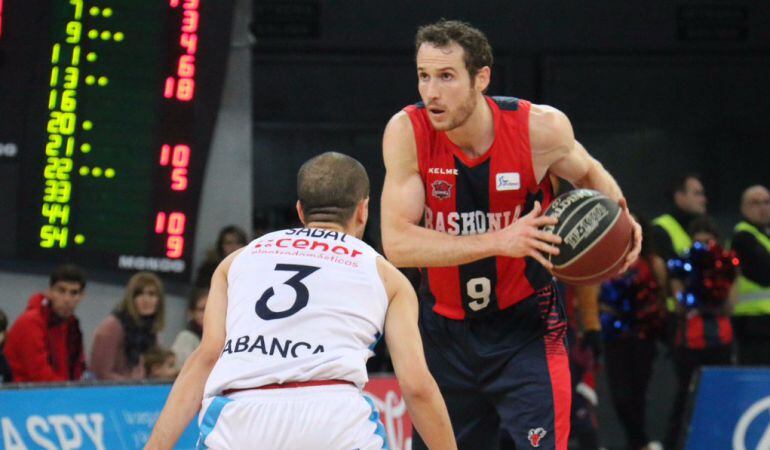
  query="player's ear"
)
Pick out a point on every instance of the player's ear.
point(362, 212)
point(300, 213)
point(482, 78)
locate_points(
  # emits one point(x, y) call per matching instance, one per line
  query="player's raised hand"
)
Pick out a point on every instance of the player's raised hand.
point(636, 247)
point(525, 238)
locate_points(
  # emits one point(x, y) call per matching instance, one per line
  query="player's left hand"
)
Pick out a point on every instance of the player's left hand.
point(636, 248)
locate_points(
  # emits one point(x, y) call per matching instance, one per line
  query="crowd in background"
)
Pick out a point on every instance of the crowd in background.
point(45, 343)
point(704, 296)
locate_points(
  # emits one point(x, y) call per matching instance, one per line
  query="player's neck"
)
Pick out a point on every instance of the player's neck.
point(476, 135)
point(329, 226)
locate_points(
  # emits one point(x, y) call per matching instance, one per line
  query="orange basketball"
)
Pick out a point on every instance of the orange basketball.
point(596, 235)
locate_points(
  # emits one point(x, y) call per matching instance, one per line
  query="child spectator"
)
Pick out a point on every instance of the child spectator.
point(160, 364)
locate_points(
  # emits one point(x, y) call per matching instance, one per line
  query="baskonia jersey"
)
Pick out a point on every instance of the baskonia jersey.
point(465, 196)
point(302, 304)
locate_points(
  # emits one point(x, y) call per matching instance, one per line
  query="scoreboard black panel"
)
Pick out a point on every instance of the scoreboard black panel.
point(106, 114)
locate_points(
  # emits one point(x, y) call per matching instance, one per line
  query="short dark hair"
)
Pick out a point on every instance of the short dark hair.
point(679, 183)
point(703, 224)
point(477, 51)
point(3, 321)
point(68, 272)
point(330, 187)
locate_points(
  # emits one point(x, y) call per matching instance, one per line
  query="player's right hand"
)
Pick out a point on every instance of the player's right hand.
point(524, 238)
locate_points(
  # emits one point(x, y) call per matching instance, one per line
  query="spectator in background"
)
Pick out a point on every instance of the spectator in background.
point(230, 239)
point(670, 237)
point(130, 330)
point(751, 242)
point(669, 232)
point(189, 339)
point(701, 280)
point(632, 319)
point(5, 369)
point(45, 343)
point(160, 364)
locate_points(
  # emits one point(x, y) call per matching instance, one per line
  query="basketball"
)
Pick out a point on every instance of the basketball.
point(596, 235)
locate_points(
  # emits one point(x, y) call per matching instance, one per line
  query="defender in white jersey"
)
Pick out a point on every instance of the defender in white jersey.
point(290, 322)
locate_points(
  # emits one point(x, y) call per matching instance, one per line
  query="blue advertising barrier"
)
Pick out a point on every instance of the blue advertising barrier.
point(101, 418)
point(731, 410)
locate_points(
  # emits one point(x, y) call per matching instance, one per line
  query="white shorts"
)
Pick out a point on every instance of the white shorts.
point(336, 417)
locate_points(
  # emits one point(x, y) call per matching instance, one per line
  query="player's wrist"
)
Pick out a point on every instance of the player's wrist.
point(488, 244)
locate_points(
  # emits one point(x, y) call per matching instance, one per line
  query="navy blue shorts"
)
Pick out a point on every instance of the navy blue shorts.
point(506, 370)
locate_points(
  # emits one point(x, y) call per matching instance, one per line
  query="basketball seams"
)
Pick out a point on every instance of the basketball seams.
point(598, 275)
point(563, 224)
point(597, 240)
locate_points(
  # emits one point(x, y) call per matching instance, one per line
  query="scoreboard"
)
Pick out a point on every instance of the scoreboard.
point(106, 114)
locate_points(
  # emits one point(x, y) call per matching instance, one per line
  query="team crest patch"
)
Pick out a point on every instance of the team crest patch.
point(442, 190)
point(535, 435)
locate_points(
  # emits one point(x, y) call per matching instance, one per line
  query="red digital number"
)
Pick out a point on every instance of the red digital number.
point(191, 4)
point(182, 87)
point(168, 89)
point(165, 154)
point(175, 247)
point(174, 225)
point(179, 158)
point(189, 41)
point(185, 89)
point(160, 223)
point(186, 66)
point(179, 179)
point(190, 21)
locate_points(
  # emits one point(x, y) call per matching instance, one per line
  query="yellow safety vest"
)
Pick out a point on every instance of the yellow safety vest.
point(679, 237)
point(680, 240)
point(753, 299)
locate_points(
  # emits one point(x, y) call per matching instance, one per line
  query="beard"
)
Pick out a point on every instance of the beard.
point(462, 115)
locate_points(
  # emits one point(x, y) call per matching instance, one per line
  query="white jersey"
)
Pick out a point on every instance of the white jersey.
point(302, 304)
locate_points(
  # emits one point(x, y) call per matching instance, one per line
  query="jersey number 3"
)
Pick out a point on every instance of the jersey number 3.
point(302, 295)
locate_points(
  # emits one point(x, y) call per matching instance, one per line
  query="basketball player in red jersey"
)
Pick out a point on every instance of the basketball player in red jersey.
point(475, 171)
